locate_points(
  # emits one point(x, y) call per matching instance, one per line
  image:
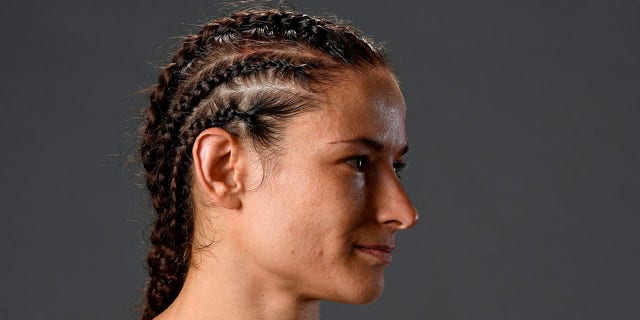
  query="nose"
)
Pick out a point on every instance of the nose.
point(395, 209)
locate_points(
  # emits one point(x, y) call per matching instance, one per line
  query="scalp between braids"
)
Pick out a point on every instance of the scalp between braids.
point(247, 73)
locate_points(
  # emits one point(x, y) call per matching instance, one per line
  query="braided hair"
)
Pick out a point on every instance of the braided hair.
point(246, 73)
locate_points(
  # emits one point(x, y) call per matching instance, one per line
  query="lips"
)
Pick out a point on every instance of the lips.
point(379, 252)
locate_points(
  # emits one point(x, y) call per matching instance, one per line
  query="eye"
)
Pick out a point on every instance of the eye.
point(398, 167)
point(358, 162)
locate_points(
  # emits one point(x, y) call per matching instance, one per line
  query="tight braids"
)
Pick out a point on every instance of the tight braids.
point(204, 86)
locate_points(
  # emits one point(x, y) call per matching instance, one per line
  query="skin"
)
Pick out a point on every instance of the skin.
point(317, 223)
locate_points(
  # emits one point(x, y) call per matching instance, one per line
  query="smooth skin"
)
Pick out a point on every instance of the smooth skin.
point(317, 222)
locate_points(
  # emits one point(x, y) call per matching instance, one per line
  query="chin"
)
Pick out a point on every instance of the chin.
point(361, 293)
point(367, 298)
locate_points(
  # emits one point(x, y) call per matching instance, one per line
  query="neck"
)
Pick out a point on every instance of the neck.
point(213, 290)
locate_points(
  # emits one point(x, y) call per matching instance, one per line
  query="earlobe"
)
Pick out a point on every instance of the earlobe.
point(215, 160)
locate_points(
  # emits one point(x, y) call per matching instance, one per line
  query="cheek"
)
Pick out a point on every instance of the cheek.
point(348, 196)
point(306, 213)
point(284, 212)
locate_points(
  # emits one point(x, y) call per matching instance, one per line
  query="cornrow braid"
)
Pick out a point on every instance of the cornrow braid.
point(170, 253)
point(218, 78)
point(208, 82)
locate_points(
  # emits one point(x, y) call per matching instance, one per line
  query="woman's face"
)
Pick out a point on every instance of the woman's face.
point(323, 222)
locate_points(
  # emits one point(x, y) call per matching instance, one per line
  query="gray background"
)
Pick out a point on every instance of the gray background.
point(523, 118)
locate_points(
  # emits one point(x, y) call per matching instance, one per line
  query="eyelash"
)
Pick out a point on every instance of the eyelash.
point(360, 163)
point(398, 167)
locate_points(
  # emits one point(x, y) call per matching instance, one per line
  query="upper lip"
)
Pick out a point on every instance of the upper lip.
point(382, 247)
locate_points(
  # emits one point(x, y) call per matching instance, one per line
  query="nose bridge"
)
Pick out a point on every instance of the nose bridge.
point(395, 207)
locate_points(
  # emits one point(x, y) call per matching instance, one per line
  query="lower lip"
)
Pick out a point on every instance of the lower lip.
point(384, 257)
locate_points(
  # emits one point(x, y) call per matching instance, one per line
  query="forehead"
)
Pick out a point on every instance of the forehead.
point(361, 104)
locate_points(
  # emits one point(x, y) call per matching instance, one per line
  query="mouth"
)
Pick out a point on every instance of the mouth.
point(382, 253)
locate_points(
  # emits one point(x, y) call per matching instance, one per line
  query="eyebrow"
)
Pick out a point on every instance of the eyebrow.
point(370, 143)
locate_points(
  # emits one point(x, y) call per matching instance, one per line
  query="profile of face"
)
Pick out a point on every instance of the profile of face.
point(323, 220)
point(271, 145)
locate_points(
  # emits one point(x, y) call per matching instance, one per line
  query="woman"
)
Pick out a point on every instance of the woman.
point(271, 146)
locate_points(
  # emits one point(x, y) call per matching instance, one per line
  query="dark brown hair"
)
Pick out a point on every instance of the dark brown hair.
point(247, 73)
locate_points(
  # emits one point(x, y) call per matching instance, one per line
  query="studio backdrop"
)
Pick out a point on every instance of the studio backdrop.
point(522, 120)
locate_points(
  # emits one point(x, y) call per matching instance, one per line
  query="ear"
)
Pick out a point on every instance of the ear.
point(215, 159)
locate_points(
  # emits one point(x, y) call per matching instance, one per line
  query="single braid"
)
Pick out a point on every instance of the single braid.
point(213, 66)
